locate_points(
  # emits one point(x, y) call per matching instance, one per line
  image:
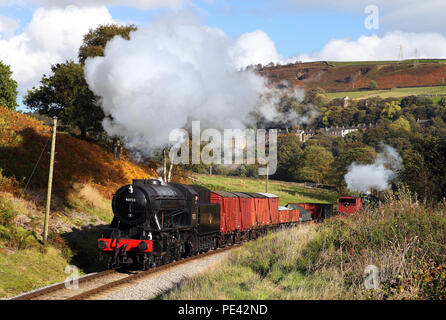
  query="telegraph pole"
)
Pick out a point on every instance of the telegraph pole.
point(50, 182)
point(164, 165)
point(267, 173)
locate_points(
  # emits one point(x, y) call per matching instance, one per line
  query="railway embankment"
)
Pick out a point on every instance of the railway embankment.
point(85, 176)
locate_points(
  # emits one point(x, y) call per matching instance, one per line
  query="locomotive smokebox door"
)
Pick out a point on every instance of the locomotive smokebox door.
point(130, 205)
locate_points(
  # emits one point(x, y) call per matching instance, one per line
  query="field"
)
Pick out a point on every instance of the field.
point(395, 92)
point(287, 191)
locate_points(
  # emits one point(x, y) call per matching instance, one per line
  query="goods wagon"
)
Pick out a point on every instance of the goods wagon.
point(273, 207)
point(261, 206)
point(318, 211)
point(349, 205)
point(248, 213)
point(299, 213)
point(230, 210)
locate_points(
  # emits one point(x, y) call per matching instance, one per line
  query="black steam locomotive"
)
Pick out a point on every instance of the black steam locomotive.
point(155, 223)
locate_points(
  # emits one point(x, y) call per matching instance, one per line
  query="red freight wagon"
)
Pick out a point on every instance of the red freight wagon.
point(284, 216)
point(315, 210)
point(230, 210)
point(261, 208)
point(273, 207)
point(248, 215)
point(226, 204)
point(349, 204)
point(294, 215)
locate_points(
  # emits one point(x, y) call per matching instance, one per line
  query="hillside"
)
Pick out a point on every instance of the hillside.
point(287, 191)
point(22, 139)
point(351, 76)
point(85, 177)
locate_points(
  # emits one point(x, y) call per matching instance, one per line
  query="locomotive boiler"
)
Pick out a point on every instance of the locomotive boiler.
point(155, 223)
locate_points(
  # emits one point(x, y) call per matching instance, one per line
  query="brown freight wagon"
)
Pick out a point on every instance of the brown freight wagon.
point(318, 211)
point(247, 209)
point(284, 216)
point(273, 207)
point(230, 210)
point(261, 208)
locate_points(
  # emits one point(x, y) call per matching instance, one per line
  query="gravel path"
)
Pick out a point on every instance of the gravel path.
point(159, 283)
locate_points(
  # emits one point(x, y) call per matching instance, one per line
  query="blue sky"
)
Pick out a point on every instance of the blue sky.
point(293, 32)
point(34, 34)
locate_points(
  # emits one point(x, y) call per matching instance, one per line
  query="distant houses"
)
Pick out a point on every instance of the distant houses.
point(304, 136)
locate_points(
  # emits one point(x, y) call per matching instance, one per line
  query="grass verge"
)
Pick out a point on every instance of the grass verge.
point(402, 241)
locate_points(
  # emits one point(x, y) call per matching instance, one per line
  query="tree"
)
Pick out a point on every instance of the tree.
point(363, 155)
point(8, 88)
point(442, 102)
point(317, 96)
point(65, 94)
point(316, 164)
point(391, 110)
point(289, 153)
point(373, 85)
point(95, 40)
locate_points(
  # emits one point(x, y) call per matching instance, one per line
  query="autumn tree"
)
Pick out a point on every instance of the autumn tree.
point(96, 39)
point(391, 110)
point(8, 88)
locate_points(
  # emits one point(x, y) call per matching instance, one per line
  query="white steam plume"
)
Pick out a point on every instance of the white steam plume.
point(271, 103)
point(171, 72)
point(377, 175)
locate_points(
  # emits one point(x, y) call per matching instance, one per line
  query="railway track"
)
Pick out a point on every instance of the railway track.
point(96, 284)
point(60, 290)
point(144, 274)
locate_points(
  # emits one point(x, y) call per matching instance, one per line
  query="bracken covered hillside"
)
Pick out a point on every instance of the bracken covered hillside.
point(22, 139)
point(350, 76)
point(85, 177)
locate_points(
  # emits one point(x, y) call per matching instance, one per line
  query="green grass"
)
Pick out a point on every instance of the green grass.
point(395, 92)
point(402, 237)
point(287, 191)
point(25, 263)
point(25, 270)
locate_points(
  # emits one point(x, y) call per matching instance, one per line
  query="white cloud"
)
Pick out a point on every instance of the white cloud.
point(52, 36)
point(140, 4)
point(386, 47)
point(253, 48)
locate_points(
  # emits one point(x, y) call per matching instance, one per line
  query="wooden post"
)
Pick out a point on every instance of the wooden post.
point(164, 166)
point(50, 183)
point(267, 173)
